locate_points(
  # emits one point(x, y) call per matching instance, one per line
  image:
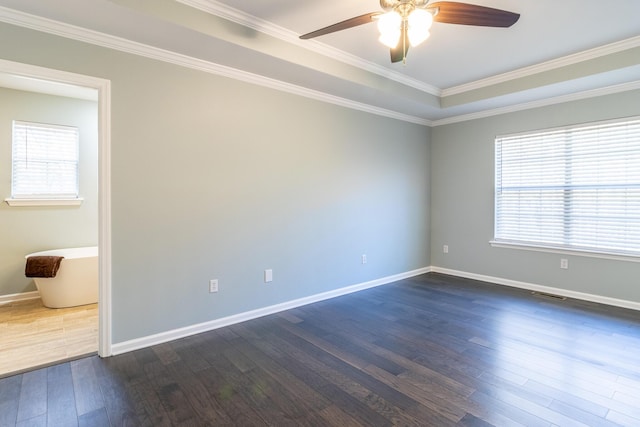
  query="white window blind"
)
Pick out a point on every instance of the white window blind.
point(575, 188)
point(45, 161)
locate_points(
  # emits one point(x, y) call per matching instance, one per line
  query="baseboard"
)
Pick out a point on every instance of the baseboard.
point(135, 344)
point(23, 296)
point(633, 305)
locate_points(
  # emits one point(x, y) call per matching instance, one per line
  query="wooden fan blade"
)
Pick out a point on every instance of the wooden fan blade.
point(349, 23)
point(399, 53)
point(450, 12)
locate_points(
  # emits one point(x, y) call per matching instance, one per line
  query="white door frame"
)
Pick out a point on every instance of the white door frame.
point(103, 88)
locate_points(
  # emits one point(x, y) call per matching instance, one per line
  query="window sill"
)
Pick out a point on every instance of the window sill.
point(564, 251)
point(44, 202)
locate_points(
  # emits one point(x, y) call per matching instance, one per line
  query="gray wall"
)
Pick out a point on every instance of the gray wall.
point(215, 178)
point(462, 197)
point(29, 229)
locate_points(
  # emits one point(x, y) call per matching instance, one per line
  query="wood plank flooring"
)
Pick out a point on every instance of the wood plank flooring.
point(433, 350)
point(34, 335)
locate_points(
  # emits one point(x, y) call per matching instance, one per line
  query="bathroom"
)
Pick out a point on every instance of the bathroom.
point(30, 333)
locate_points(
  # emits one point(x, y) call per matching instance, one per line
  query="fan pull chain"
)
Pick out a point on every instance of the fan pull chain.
point(405, 25)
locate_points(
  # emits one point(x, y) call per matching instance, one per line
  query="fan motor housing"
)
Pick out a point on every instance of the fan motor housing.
point(389, 5)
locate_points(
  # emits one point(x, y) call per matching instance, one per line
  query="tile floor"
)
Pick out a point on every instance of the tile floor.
point(33, 335)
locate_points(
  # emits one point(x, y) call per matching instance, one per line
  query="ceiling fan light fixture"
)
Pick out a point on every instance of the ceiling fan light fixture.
point(420, 18)
point(389, 25)
point(407, 22)
point(417, 36)
point(419, 22)
point(390, 39)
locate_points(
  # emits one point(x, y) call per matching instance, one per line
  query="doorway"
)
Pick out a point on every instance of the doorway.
point(43, 80)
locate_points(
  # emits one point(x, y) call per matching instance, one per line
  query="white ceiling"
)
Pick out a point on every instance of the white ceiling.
point(558, 50)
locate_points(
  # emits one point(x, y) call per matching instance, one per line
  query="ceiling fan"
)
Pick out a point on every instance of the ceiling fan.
point(406, 23)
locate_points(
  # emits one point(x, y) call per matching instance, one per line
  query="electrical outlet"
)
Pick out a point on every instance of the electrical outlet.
point(213, 285)
point(268, 275)
point(445, 249)
point(564, 263)
point(364, 258)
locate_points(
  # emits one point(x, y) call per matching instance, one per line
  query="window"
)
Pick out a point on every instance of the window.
point(575, 188)
point(44, 161)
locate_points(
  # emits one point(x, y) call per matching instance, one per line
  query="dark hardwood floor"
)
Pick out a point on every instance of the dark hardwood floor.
point(433, 350)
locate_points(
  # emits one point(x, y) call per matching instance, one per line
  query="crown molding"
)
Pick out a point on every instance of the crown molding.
point(240, 17)
point(623, 87)
point(564, 61)
point(49, 26)
point(57, 28)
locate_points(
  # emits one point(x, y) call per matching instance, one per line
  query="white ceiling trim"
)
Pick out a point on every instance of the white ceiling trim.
point(38, 23)
point(623, 87)
point(545, 66)
point(240, 17)
point(33, 22)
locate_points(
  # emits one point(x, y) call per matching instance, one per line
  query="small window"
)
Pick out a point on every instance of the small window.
point(45, 161)
point(573, 188)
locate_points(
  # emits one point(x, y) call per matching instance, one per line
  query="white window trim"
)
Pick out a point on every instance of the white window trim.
point(563, 251)
point(77, 201)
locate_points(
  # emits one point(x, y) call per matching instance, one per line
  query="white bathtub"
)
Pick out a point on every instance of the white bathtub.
point(76, 282)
